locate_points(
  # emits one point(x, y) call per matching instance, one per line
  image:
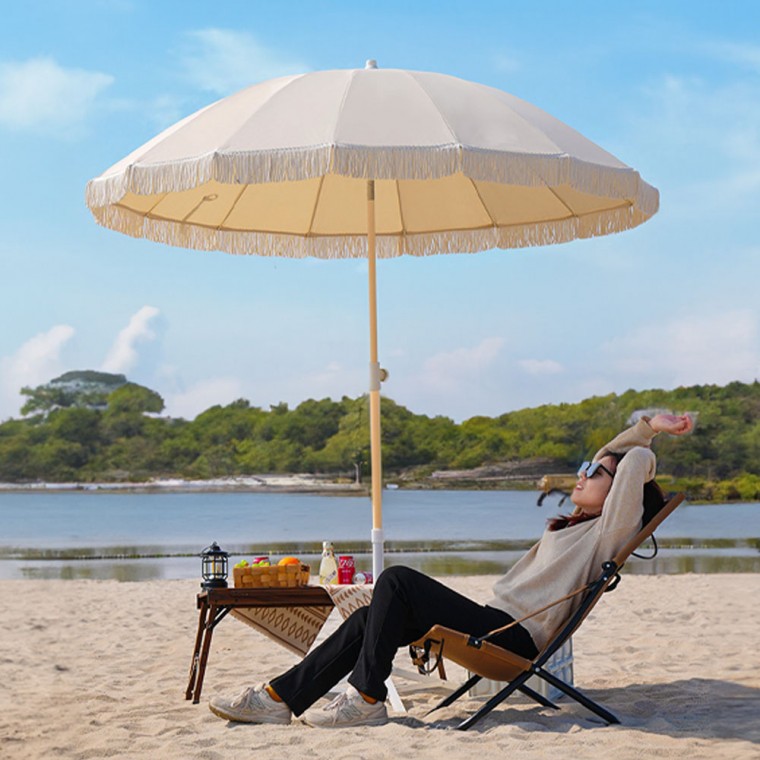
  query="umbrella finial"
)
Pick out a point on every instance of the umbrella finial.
point(370, 64)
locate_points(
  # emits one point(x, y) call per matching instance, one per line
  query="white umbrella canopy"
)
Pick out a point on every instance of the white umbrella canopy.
point(369, 163)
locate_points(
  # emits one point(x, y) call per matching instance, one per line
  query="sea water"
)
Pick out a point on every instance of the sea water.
point(140, 536)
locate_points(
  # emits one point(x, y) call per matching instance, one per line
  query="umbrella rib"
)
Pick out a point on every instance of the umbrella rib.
point(144, 213)
point(232, 207)
point(314, 210)
point(267, 104)
point(400, 208)
point(482, 202)
point(453, 134)
point(194, 209)
point(573, 214)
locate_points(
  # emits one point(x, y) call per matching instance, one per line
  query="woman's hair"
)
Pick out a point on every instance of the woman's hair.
point(567, 521)
point(653, 501)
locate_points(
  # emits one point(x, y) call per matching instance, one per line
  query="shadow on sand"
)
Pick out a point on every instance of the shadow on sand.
point(696, 707)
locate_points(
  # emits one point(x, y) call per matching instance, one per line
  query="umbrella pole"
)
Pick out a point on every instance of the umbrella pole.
point(374, 393)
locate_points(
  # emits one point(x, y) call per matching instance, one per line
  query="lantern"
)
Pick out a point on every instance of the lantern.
point(214, 567)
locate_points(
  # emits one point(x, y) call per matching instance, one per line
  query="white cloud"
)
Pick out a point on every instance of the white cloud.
point(160, 111)
point(453, 372)
point(506, 63)
point(122, 356)
point(700, 348)
point(164, 110)
point(706, 135)
point(202, 395)
point(743, 54)
point(294, 383)
point(333, 381)
point(36, 362)
point(327, 376)
point(41, 95)
point(224, 61)
point(540, 366)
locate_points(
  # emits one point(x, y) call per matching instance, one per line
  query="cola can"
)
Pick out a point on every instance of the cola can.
point(346, 569)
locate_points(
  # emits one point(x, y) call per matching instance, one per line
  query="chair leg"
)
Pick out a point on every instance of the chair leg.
point(589, 704)
point(535, 696)
point(465, 687)
point(513, 686)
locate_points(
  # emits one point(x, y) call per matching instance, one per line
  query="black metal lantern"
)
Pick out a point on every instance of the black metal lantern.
point(214, 567)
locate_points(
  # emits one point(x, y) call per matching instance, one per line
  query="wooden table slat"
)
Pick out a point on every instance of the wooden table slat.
point(303, 596)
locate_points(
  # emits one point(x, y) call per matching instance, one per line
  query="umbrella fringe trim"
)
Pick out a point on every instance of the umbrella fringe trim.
point(355, 246)
point(362, 162)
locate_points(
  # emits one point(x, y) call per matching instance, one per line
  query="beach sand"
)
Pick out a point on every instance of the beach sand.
point(96, 669)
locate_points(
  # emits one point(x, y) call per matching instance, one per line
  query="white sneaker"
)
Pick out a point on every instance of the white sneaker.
point(348, 709)
point(252, 705)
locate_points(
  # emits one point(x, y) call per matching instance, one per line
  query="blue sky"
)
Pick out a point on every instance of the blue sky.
point(671, 88)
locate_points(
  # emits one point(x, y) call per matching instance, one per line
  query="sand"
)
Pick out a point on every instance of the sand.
point(98, 669)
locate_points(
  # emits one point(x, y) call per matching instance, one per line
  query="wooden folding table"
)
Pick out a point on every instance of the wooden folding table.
point(215, 604)
point(292, 617)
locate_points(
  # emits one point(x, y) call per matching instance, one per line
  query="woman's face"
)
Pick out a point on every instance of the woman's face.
point(589, 493)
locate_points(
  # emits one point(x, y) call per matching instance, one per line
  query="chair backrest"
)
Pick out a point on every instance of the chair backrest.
point(492, 661)
point(609, 572)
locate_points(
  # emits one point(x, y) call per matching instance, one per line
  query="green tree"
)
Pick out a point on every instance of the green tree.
point(135, 399)
point(81, 388)
point(44, 399)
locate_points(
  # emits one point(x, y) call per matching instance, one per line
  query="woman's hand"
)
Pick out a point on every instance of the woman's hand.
point(674, 424)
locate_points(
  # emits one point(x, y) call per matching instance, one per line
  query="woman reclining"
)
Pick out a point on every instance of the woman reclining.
point(613, 495)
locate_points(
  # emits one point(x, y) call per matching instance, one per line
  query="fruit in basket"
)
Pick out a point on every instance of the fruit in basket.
point(289, 561)
point(242, 563)
point(261, 562)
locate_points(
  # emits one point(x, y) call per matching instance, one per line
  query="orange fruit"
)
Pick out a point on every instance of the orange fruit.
point(289, 561)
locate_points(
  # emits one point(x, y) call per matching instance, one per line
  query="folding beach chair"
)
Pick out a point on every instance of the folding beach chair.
point(487, 660)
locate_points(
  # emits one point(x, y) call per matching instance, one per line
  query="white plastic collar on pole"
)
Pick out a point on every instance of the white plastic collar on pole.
point(378, 538)
point(375, 376)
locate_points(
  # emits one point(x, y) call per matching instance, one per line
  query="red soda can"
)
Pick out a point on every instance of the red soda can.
point(346, 569)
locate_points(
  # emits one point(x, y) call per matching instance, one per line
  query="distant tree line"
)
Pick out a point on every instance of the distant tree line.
point(121, 437)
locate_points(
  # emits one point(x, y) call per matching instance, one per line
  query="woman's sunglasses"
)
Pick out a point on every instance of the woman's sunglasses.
point(589, 469)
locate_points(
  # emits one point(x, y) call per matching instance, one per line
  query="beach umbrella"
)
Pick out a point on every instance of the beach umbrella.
point(369, 163)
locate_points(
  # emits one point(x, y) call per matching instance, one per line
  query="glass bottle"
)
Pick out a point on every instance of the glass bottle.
point(328, 567)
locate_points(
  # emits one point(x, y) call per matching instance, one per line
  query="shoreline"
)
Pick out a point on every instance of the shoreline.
point(251, 483)
point(285, 483)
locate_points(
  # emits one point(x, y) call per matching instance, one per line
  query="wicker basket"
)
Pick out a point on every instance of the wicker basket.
point(276, 576)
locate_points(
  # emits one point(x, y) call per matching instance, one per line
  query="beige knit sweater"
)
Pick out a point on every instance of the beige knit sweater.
point(566, 559)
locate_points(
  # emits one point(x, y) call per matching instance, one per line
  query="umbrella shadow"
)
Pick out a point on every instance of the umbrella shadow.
point(701, 707)
point(698, 707)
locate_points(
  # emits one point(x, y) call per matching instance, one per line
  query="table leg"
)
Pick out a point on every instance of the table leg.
point(202, 617)
point(209, 630)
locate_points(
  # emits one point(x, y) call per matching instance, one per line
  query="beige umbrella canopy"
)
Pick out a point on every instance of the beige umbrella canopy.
point(366, 163)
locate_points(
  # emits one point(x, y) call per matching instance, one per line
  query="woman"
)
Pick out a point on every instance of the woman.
point(406, 604)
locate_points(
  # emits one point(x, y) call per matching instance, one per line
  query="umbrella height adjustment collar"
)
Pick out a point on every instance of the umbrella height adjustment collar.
point(377, 375)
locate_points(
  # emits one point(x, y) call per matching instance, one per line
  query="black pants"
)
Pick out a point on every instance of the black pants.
point(405, 605)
